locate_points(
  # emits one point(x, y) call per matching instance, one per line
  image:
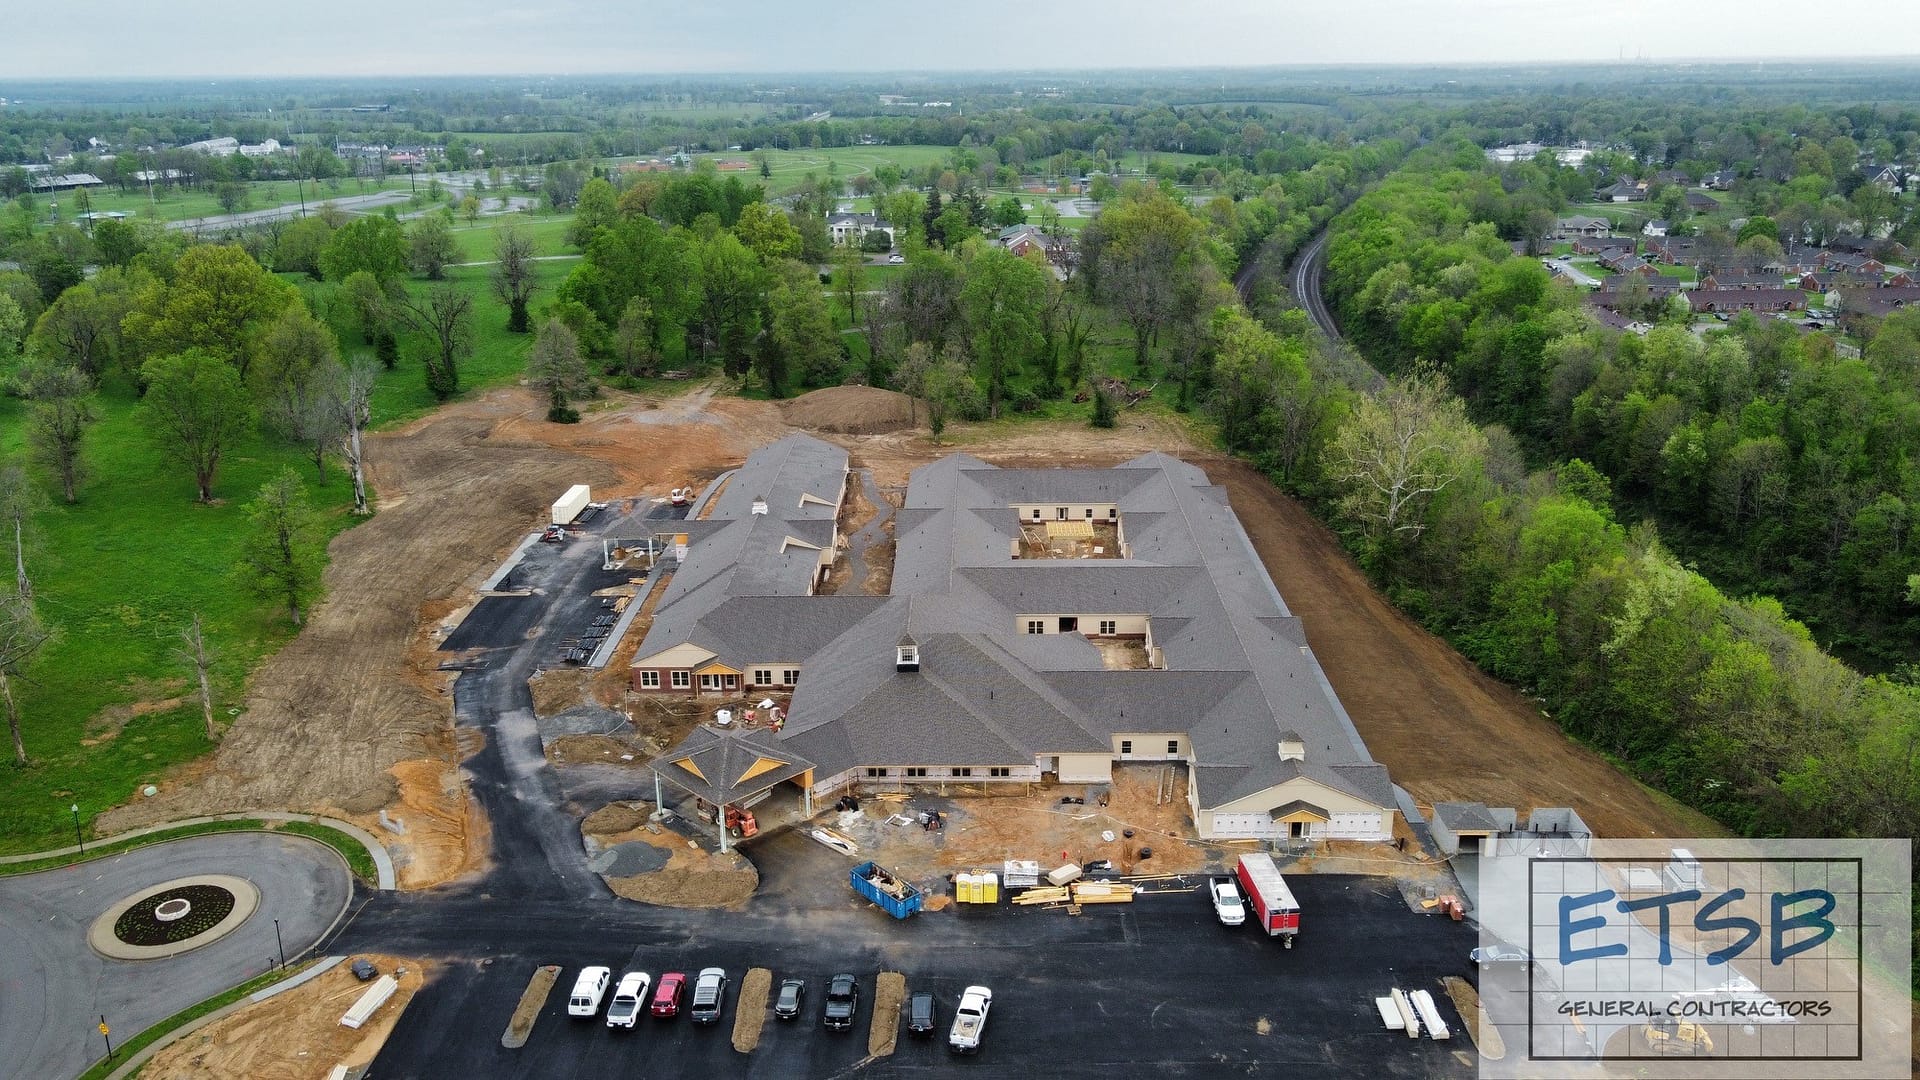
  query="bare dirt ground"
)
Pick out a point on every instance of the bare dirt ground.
point(332, 718)
point(291, 1036)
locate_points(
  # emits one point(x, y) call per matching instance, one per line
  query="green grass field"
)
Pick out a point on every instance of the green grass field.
point(475, 242)
point(122, 572)
point(181, 204)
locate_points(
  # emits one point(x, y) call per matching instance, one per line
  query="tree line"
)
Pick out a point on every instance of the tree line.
point(1494, 514)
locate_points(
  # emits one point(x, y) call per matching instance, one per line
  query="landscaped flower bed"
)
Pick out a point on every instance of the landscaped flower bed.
point(208, 904)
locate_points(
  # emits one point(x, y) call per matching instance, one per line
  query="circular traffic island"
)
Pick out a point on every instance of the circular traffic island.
point(173, 917)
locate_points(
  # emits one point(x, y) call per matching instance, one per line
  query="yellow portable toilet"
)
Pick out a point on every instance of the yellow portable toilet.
point(973, 888)
point(990, 888)
point(963, 888)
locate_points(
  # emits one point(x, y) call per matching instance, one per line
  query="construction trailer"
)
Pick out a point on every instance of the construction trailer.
point(1274, 908)
point(571, 505)
point(890, 892)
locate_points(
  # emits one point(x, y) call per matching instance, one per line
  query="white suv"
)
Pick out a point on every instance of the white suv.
point(588, 989)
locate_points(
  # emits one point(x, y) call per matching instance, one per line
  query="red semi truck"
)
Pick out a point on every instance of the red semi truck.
point(1274, 907)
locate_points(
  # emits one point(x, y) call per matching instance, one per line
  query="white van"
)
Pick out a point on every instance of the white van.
point(588, 989)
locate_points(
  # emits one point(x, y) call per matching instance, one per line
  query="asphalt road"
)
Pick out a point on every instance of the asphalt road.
point(1153, 988)
point(54, 988)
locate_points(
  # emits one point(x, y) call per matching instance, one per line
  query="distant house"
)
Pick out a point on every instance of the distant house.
point(1729, 301)
point(1702, 204)
point(1720, 181)
point(1626, 262)
point(1604, 245)
point(1567, 228)
point(851, 228)
point(1021, 239)
point(1828, 280)
point(1733, 279)
point(1656, 227)
point(1672, 250)
point(1853, 263)
point(1673, 176)
point(1888, 177)
point(1623, 191)
point(1873, 302)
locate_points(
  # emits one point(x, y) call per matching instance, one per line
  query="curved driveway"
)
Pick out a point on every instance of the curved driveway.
point(54, 988)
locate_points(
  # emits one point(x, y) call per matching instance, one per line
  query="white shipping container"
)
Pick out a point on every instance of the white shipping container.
point(569, 506)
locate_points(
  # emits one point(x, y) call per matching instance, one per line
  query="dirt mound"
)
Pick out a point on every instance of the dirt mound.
point(750, 1012)
point(889, 990)
point(851, 410)
point(612, 818)
point(688, 875)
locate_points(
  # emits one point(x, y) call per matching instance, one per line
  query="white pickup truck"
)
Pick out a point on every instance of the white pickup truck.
point(969, 1020)
point(1227, 905)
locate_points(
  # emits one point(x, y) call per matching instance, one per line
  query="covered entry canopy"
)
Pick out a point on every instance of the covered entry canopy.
point(727, 765)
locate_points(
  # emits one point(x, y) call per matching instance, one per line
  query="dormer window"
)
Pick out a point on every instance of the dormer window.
point(906, 655)
point(760, 505)
point(1292, 747)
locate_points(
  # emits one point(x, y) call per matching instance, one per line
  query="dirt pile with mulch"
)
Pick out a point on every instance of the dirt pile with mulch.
point(750, 1012)
point(851, 410)
point(689, 876)
point(889, 990)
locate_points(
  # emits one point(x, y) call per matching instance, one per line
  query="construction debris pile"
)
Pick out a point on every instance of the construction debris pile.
point(887, 883)
point(1118, 389)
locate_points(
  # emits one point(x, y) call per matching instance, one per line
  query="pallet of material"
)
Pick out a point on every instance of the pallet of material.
point(1052, 894)
point(1430, 1015)
point(1409, 1022)
point(1101, 892)
point(1390, 1014)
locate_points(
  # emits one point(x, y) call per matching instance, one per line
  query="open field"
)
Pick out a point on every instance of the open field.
point(107, 705)
point(474, 243)
point(180, 204)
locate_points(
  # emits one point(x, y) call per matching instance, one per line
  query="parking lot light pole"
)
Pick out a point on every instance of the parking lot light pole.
point(282, 944)
point(78, 837)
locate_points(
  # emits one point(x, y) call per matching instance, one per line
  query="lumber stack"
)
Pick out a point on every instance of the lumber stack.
point(1102, 892)
point(1050, 894)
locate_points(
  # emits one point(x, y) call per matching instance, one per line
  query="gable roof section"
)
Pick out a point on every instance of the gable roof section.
point(724, 765)
point(782, 472)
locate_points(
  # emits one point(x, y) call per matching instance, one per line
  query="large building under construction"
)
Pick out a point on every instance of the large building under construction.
point(1042, 624)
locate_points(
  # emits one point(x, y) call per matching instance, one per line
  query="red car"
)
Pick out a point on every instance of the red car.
point(666, 996)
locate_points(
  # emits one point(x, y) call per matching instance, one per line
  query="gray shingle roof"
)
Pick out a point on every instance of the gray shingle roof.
point(1238, 676)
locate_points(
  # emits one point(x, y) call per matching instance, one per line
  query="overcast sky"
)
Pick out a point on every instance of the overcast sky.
point(137, 38)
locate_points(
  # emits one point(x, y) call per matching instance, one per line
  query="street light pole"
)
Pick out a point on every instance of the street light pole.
point(282, 944)
point(77, 836)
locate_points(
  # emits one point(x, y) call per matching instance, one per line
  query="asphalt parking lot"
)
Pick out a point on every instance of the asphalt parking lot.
point(1153, 987)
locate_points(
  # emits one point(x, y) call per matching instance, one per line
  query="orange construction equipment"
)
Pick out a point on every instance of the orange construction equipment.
point(740, 823)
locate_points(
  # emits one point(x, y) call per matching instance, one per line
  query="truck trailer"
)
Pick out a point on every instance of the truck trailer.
point(571, 505)
point(1274, 907)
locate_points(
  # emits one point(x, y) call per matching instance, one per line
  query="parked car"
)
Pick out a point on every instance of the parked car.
point(843, 1000)
point(364, 970)
point(922, 1015)
point(588, 989)
point(628, 999)
point(1489, 955)
point(666, 996)
point(709, 996)
point(793, 992)
point(970, 1020)
point(896, 259)
point(1227, 905)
